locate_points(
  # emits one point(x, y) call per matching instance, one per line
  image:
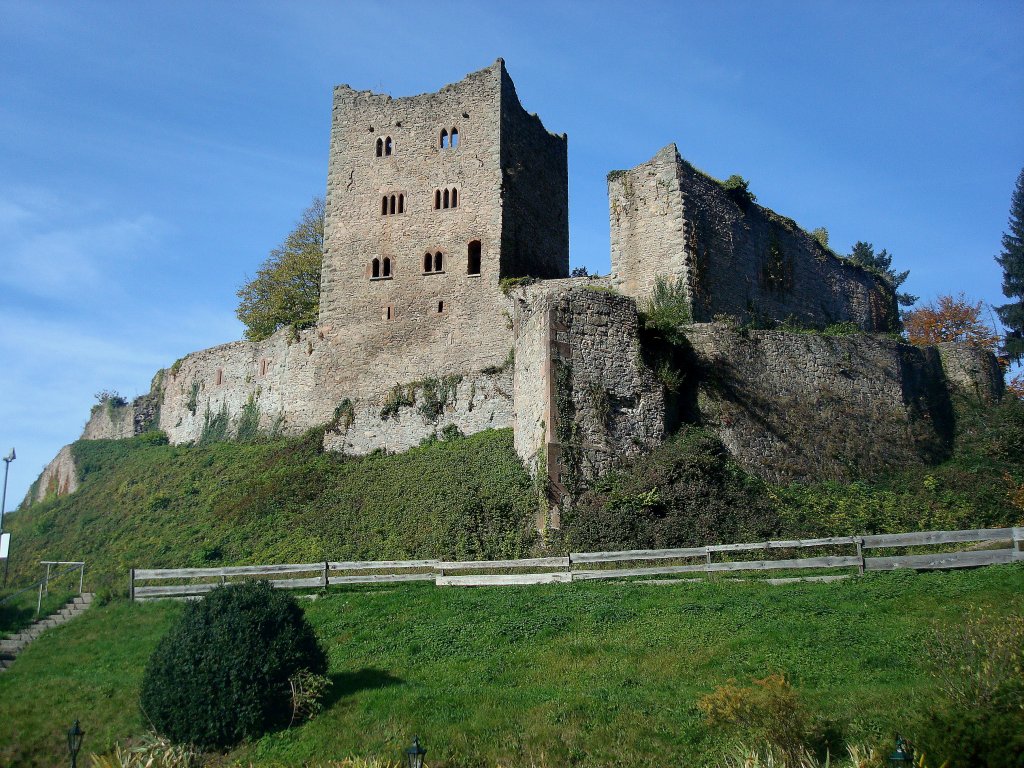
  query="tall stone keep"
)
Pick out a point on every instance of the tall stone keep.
point(431, 201)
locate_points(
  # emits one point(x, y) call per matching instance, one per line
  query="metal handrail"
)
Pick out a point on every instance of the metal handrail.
point(47, 579)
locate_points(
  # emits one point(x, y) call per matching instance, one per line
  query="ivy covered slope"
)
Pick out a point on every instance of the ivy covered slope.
point(146, 504)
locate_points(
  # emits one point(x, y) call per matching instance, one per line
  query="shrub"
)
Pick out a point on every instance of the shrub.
point(687, 492)
point(221, 674)
point(667, 308)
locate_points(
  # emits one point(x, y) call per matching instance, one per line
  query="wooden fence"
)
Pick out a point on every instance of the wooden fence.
point(840, 552)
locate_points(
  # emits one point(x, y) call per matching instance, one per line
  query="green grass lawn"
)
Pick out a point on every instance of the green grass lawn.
point(589, 674)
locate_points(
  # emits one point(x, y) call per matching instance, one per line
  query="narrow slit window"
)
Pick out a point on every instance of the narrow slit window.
point(455, 198)
point(401, 203)
point(392, 204)
point(473, 258)
point(384, 206)
point(380, 147)
point(263, 367)
point(455, 137)
point(428, 262)
point(444, 139)
point(220, 376)
point(438, 262)
point(386, 272)
point(437, 198)
point(387, 146)
point(375, 268)
point(387, 313)
point(440, 307)
point(447, 199)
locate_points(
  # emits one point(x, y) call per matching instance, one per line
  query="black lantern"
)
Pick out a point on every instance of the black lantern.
point(75, 736)
point(415, 753)
point(902, 756)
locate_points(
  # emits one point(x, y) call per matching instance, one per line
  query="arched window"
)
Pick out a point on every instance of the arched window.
point(444, 139)
point(380, 147)
point(401, 203)
point(392, 204)
point(455, 137)
point(428, 262)
point(473, 258)
point(387, 267)
point(384, 206)
point(437, 262)
point(455, 198)
point(446, 198)
point(375, 268)
point(437, 198)
point(387, 146)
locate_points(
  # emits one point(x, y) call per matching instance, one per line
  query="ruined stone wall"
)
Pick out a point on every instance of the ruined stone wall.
point(812, 407)
point(535, 193)
point(584, 398)
point(270, 380)
point(971, 372)
point(735, 258)
point(108, 422)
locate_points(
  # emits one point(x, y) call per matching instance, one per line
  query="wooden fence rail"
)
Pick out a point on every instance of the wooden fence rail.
point(643, 562)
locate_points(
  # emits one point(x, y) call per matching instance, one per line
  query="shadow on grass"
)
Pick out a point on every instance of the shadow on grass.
point(367, 679)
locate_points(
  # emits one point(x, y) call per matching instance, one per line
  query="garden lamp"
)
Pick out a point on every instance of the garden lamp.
point(902, 756)
point(415, 753)
point(75, 736)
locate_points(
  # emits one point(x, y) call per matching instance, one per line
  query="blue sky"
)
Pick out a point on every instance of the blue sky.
point(151, 154)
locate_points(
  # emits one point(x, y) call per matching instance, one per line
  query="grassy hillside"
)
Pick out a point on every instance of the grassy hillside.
point(145, 504)
point(148, 505)
point(580, 674)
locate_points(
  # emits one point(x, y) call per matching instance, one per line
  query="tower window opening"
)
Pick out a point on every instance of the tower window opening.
point(440, 307)
point(380, 147)
point(392, 207)
point(444, 139)
point(473, 258)
point(387, 146)
point(428, 262)
point(375, 268)
point(455, 198)
point(220, 375)
point(384, 206)
point(401, 203)
point(263, 367)
point(438, 264)
point(437, 198)
point(446, 198)
point(455, 138)
point(386, 272)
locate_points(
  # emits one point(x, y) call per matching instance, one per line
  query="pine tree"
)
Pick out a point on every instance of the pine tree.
point(1012, 262)
point(881, 263)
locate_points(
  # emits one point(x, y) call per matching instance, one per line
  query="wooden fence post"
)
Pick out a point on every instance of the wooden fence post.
point(1018, 539)
point(131, 584)
point(81, 578)
point(327, 567)
point(860, 556)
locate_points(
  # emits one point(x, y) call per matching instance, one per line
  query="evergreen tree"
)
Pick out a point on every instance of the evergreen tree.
point(286, 289)
point(1012, 262)
point(881, 263)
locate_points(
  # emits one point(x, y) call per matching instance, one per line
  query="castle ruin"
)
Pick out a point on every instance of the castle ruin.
point(446, 302)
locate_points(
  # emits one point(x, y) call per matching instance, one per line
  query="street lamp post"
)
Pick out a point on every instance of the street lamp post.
point(75, 736)
point(3, 505)
point(415, 753)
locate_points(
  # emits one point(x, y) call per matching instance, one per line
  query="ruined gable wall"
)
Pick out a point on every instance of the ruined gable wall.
point(535, 191)
point(366, 352)
point(59, 478)
point(813, 407)
point(648, 235)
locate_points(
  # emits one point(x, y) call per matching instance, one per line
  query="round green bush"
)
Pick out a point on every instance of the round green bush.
point(221, 673)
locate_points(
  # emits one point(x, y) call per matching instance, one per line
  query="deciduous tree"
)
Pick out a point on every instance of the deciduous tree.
point(286, 289)
point(1012, 261)
point(950, 318)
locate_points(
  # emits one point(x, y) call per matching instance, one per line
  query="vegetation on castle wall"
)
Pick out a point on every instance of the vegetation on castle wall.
point(273, 501)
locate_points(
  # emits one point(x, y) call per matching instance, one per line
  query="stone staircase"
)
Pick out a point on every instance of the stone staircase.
point(11, 646)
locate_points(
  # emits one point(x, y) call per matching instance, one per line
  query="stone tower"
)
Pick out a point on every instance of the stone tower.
point(431, 201)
